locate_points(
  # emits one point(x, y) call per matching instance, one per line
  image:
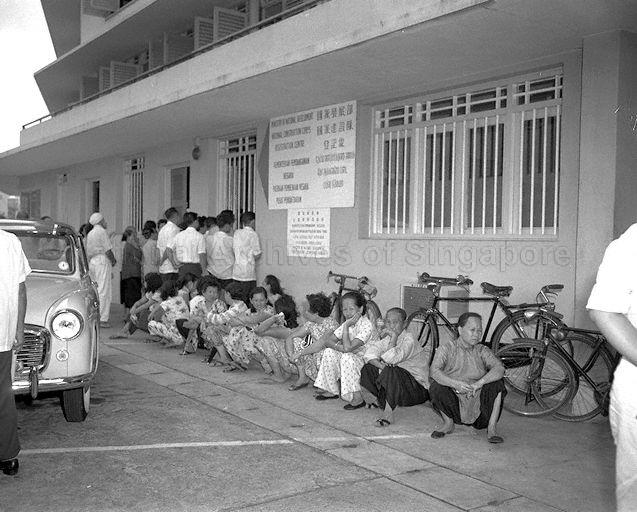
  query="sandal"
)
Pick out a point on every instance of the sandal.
point(234, 368)
point(294, 387)
point(382, 422)
point(373, 405)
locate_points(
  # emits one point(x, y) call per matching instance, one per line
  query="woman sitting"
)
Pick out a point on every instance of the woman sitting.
point(467, 386)
point(396, 372)
point(343, 355)
point(272, 285)
point(141, 310)
point(271, 336)
point(207, 301)
point(164, 319)
point(240, 341)
point(317, 313)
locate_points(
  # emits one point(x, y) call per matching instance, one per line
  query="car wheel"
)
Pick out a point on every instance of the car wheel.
point(75, 403)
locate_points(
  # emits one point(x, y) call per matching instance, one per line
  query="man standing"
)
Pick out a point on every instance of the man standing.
point(246, 250)
point(100, 260)
point(188, 248)
point(613, 305)
point(219, 249)
point(166, 235)
point(13, 306)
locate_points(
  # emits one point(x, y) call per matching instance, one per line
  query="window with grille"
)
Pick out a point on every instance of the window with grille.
point(237, 159)
point(134, 178)
point(478, 162)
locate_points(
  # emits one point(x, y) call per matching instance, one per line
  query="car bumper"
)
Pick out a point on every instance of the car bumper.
point(25, 387)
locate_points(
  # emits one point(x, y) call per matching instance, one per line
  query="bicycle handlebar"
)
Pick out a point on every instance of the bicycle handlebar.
point(364, 286)
point(459, 280)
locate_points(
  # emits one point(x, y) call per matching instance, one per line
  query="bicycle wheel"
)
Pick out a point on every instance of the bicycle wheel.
point(373, 312)
point(518, 326)
point(589, 400)
point(423, 328)
point(538, 380)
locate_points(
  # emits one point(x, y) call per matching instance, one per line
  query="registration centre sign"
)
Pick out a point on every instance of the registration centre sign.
point(312, 158)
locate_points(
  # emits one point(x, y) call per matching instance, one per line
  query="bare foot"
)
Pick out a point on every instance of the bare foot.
point(279, 378)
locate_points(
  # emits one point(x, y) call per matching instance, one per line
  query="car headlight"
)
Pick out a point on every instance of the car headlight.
point(67, 325)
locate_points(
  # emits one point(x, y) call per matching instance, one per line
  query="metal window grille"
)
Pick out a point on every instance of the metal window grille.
point(237, 159)
point(475, 162)
point(134, 170)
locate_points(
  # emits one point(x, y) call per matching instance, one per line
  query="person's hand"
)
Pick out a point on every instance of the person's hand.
point(463, 387)
point(19, 340)
point(475, 387)
point(351, 321)
point(133, 318)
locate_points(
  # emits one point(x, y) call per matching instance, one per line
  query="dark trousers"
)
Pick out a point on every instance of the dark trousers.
point(141, 323)
point(170, 276)
point(241, 290)
point(445, 400)
point(393, 385)
point(9, 443)
point(190, 268)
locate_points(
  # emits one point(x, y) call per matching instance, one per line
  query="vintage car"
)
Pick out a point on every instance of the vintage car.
point(61, 332)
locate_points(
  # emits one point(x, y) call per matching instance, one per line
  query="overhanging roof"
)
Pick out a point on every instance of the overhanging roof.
point(454, 48)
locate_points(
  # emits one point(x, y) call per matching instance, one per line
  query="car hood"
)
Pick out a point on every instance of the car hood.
point(43, 292)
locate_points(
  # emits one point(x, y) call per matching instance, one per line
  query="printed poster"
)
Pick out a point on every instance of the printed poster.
point(309, 232)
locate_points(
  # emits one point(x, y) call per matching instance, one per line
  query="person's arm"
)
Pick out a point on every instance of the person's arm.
point(22, 309)
point(170, 255)
point(437, 373)
point(495, 367)
point(399, 348)
point(262, 328)
point(255, 246)
point(326, 341)
point(299, 332)
point(619, 332)
point(256, 318)
point(111, 257)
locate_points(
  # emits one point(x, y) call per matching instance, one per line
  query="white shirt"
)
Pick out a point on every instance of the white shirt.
point(615, 291)
point(13, 271)
point(362, 330)
point(97, 242)
point(188, 245)
point(164, 238)
point(220, 255)
point(246, 248)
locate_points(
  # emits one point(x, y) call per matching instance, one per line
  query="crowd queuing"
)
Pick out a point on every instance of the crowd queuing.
point(200, 292)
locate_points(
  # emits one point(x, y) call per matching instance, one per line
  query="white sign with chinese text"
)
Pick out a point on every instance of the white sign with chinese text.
point(309, 232)
point(312, 158)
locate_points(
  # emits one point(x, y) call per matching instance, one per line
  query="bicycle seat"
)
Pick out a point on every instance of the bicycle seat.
point(497, 291)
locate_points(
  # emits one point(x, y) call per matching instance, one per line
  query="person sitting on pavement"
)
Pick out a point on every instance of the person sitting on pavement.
point(467, 384)
point(343, 354)
point(240, 341)
point(396, 372)
point(271, 336)
point(272, 285)
point(187, 286)
point(207, 301)
point(163, 321)
point(316, 310)
point(141, 310)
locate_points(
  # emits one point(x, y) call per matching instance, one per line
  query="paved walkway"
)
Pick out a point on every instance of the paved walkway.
point(544, 464)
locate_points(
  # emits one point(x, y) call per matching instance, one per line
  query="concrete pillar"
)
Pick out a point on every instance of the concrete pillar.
point(607, 181)
point(253, 12)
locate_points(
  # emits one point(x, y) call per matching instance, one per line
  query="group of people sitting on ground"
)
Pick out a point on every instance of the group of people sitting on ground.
point(367, 365)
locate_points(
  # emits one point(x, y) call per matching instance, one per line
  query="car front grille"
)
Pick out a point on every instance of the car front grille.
point(34, 352)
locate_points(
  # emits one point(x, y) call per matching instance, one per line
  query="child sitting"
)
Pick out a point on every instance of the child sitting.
point(140, 311)
point(163, 322)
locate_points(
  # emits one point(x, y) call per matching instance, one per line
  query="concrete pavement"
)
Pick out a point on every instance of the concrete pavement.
point(170, 433)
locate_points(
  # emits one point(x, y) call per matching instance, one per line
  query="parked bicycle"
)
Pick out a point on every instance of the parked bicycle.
point(425, 322)
point(568, 374)
point(362, 286)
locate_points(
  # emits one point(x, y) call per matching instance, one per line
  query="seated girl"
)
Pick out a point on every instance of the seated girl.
point(343, 355)
point(272, 285)
point(207, 301)
point(397, 369)
point(316, 311)
point(271, 336)
point(467, 386)
point(140, 311)
point(240, 341)
point(163, 320)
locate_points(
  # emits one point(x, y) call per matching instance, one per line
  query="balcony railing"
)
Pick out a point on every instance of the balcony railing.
point(104, 77)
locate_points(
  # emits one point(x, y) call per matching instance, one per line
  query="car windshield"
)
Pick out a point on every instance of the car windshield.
point(48, 252)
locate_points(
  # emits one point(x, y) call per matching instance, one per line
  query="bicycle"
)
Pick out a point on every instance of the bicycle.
point(567, 374)
point(363, 286)
point(514, 325)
